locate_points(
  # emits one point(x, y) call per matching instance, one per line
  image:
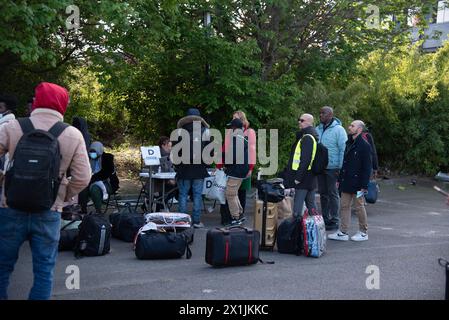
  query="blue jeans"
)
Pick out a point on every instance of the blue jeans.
point(197, 190)
point(42, 231)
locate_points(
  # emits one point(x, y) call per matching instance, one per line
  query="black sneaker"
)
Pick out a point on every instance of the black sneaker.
point(234, 223)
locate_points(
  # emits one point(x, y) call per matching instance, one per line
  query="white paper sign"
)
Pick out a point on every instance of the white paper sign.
point(151, 155)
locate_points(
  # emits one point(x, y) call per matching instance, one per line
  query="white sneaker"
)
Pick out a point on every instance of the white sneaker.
point(198, 225)
point(360, 236)
point(338, 236)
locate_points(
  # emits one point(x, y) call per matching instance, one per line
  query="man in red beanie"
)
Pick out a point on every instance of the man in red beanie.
point(41, 227)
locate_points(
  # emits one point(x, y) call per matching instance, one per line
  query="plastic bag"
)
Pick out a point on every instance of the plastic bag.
point(218, 189)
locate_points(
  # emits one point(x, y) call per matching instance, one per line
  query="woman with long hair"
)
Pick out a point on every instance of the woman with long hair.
point(250, 135)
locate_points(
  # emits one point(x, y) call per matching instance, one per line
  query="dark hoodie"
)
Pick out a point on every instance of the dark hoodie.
point(81, 125)
point(107, 170)
point(307, 180)
point(192, 171)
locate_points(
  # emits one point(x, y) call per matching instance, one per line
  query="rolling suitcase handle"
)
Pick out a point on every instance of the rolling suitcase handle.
point(264, 220)
point(226, 230)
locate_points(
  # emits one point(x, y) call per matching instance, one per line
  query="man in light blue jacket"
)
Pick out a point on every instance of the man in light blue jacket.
point(333, 136)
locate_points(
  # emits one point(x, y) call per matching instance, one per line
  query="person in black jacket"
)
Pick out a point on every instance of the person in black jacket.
point(236, 168)
point(353, 183)
point(81, 125)
point(191, 169)
point(299, 169)
point(104, 181)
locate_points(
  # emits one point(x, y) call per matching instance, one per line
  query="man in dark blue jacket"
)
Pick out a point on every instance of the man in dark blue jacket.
point(353, 182)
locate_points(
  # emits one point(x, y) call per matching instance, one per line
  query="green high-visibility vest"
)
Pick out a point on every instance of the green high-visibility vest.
point(297, 155)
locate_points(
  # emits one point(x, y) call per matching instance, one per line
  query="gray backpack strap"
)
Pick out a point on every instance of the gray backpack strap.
point(57, 128)
point(26, 125)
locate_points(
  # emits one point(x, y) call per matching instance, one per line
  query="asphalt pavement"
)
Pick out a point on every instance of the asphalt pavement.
point(408, 232)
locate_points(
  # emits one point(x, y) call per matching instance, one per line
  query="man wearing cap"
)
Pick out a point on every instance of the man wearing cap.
point(190, 174)
point(236, 166)
point(41, 228)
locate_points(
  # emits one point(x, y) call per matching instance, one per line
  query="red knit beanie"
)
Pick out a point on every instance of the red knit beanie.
point(51, 96)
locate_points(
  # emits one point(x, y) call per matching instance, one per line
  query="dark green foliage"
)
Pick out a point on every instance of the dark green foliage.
point(134, 67)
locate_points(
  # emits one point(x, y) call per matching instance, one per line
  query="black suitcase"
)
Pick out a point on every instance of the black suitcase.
point(289, 236)
point(163, 245)
point(235, 246)
point(126, 224)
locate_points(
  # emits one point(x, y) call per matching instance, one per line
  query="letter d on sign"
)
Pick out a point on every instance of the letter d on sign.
point(73, 280)
point(373, 280)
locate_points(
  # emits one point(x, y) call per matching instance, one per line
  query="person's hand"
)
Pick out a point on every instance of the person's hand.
point(364, 190)
point(374, 175)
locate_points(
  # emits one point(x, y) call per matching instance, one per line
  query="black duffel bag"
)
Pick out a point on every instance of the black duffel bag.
point(154, 244)
point(67, 239)
point(271, 190)
point(126, 224)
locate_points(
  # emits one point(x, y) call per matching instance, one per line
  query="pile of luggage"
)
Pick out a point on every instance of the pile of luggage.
point(294, 235)
point(155, 236)
point(168, 235)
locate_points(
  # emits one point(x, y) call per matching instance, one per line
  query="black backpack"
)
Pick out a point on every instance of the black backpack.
point(32, 178)
point(289, 236)
point(321, 159)
point(271, 190)
point(94, 238)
